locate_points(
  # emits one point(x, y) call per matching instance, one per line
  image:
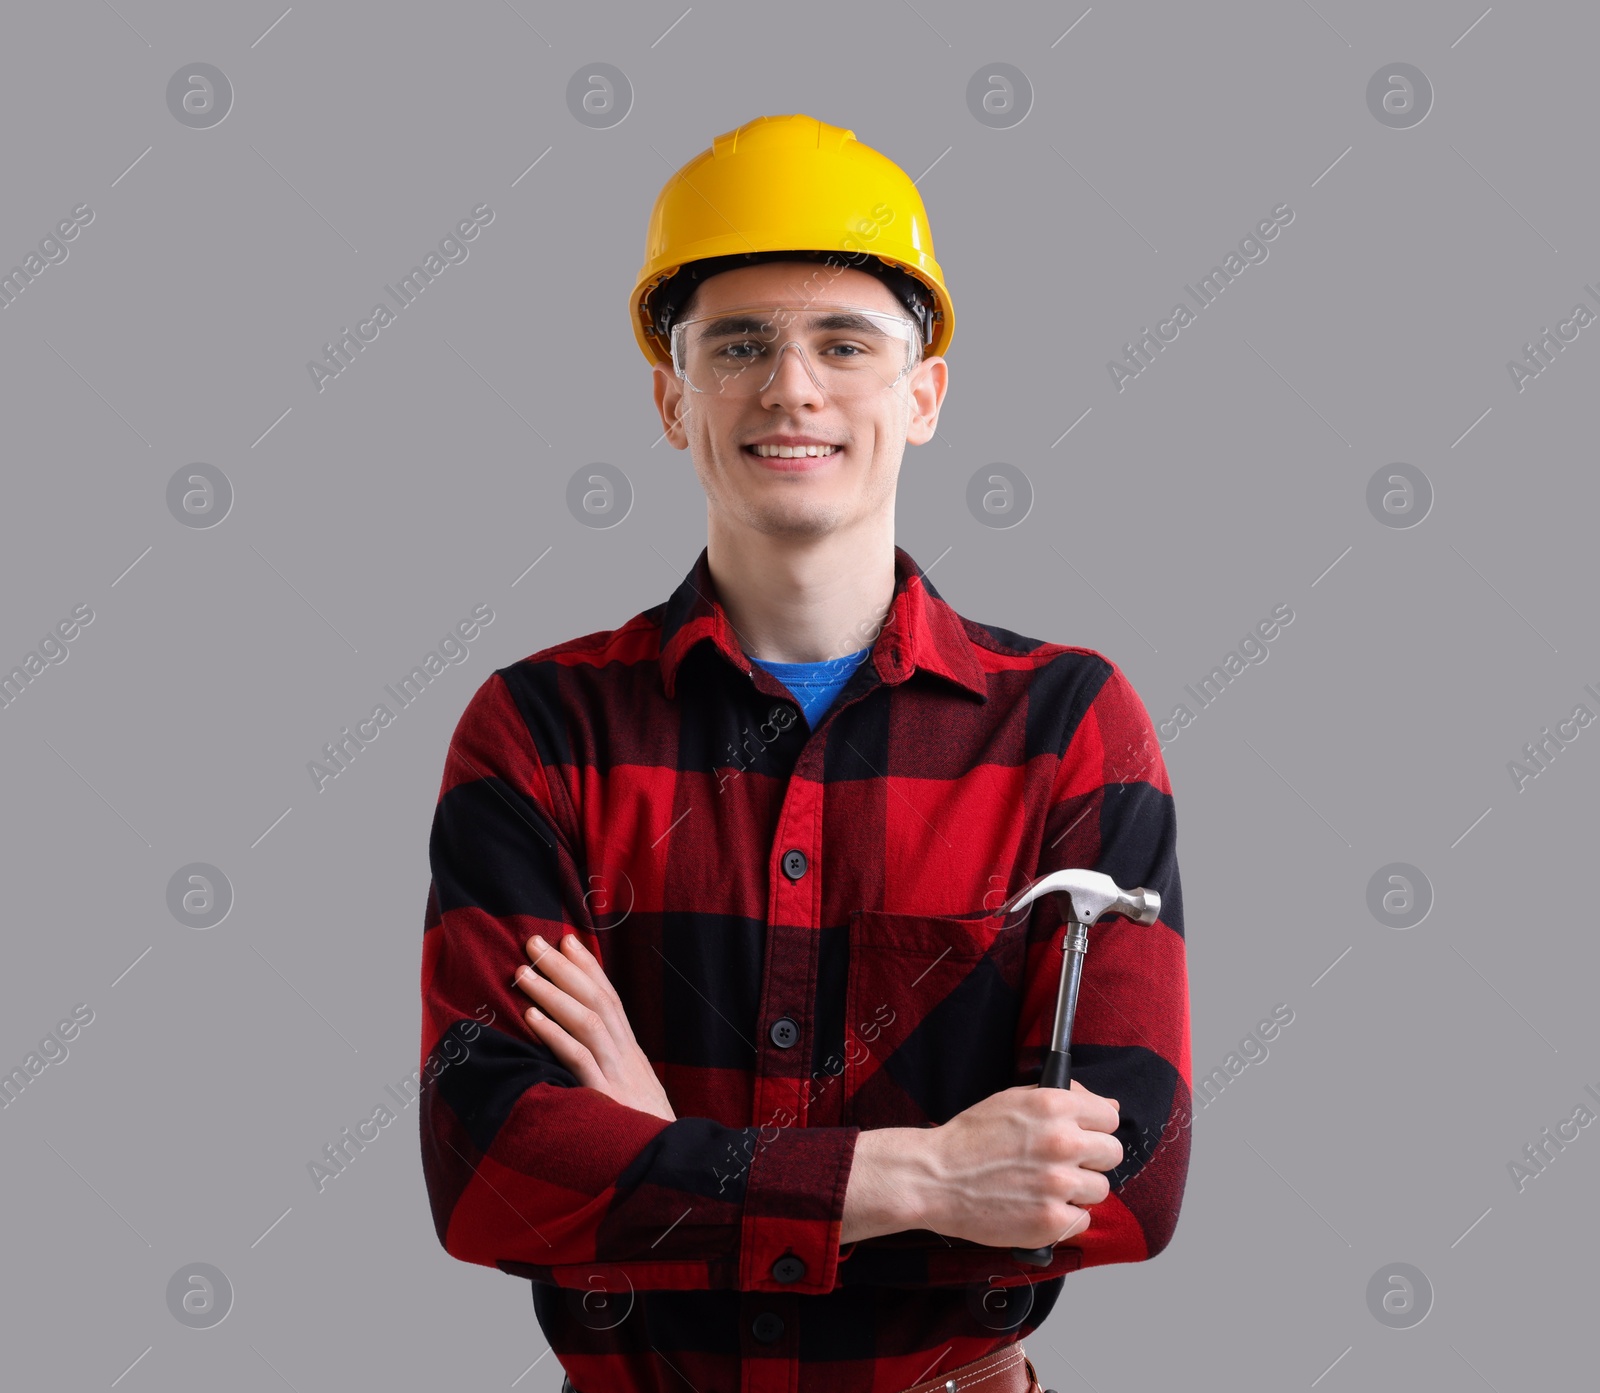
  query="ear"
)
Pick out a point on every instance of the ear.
point(670, 403)
point(929, 381)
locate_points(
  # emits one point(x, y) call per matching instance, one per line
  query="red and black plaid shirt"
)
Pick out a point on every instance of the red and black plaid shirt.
point(780, 910)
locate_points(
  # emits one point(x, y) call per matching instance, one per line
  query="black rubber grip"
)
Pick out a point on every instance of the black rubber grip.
point(1057, 1069)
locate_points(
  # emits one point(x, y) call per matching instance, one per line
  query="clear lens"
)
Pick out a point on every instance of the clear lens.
point(848, 350)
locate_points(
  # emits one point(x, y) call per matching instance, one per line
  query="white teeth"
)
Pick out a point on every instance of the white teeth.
point(791, 451)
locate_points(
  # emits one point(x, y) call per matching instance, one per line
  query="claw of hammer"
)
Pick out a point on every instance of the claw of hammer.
point(1093, 894)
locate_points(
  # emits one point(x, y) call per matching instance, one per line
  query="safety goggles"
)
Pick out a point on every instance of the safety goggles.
point(848, 350)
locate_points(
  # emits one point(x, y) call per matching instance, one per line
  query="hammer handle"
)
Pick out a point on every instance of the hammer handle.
point(1058, 1059)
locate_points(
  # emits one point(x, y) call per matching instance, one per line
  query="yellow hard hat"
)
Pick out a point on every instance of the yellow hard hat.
point(788, 183)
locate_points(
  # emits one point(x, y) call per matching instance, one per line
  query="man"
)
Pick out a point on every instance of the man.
point(758, 1107)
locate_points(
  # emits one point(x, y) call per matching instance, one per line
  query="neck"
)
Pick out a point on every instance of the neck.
point(804, 600)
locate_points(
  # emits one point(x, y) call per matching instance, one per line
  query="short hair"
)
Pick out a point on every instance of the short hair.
point(668, 300)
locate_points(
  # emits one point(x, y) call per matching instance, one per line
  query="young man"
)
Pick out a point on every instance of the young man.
point(757, 1108)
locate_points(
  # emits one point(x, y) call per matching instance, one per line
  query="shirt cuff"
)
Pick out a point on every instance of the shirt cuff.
point(794, 1210)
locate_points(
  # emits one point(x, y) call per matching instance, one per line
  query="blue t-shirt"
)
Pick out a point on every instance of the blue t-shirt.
point(815, 684)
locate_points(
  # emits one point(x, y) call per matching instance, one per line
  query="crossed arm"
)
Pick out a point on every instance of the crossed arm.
point(1022, 1157)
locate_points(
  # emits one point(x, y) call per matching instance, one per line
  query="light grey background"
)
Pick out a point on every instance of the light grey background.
point(372, 516)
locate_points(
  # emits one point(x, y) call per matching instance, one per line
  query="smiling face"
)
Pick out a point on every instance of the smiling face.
point(813, 495)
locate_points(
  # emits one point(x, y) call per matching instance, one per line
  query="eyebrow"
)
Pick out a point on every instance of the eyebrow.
point(732, 325)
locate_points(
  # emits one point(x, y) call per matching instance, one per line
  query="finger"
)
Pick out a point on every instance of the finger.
point(1076, 1227)
point(577, 972)
point(578, 1061)
point(562, 970)
point(1105, 1157)
point(570, 1015)
point(573, 952)
point(1097, 1114)
point(1100, 1120)
point(610, 1003)
point(539, 989)
point(1074, 1084)
point(582, 958)
point(579, 1021)
point(527, 981)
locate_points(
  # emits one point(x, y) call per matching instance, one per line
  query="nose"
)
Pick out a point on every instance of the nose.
point(792, 383)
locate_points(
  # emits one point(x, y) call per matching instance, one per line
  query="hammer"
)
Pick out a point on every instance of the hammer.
point(1090, 895)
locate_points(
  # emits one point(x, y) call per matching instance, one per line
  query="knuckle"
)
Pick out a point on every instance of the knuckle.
point(1061, 1183)
point(1065, 1141)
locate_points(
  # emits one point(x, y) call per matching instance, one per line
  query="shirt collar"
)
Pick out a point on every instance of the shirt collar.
point(922, 631)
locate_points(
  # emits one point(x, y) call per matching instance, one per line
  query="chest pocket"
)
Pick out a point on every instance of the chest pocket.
point(931, 1010)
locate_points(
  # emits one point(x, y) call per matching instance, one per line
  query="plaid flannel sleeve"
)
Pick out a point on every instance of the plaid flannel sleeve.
point(1111, 810)
point(530, 1172)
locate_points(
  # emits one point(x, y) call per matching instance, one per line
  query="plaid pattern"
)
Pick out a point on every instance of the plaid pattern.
point(777, 908)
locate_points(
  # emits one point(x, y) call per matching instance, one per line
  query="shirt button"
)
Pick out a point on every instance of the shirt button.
point(784, 1033)
point(788, 1268)
point(778, 712)
point(794, 863)
point(767, 1327)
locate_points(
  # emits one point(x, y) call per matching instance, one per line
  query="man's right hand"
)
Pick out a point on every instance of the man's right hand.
point(1020, 1168)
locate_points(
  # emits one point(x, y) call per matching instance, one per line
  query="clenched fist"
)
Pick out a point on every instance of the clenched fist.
point(1020, 1168)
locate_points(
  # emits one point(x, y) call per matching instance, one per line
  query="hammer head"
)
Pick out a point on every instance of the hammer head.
point(1093, 894)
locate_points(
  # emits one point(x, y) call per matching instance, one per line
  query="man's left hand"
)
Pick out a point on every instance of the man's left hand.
point(578, 1015)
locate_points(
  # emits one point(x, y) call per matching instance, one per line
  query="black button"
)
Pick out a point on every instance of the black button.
point(794, 863)
point(767, 1327)
point(788, 1268)
point(784, 1032)
point(778, 712)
